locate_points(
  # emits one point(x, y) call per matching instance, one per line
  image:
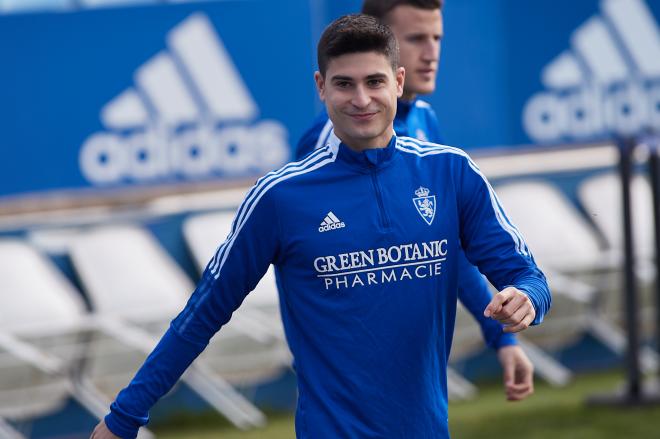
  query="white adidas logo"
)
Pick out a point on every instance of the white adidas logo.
point(607, 83)
point(331, 222)
point(189, 115)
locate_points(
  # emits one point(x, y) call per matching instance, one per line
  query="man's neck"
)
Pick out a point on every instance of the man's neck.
point(359, 145)
point(408, 96)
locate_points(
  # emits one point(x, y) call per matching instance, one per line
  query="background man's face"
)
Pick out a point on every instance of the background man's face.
point(419, 32)
point(360, 92)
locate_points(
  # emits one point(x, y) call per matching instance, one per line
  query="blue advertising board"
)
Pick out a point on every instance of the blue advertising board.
point(214, 90)
point(520, 72)
point(545, 72)
point(148, 95)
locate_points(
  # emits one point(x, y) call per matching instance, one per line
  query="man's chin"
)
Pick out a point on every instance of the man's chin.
point(363, 132)
point(363, 136)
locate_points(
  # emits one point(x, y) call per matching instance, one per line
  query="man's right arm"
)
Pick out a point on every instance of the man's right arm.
point(235, 270)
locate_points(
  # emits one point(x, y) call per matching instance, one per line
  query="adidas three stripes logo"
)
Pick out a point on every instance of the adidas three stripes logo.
point(331, 222)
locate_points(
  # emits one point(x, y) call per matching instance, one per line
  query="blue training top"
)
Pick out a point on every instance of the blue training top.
point(417, 119)
point(366, 247)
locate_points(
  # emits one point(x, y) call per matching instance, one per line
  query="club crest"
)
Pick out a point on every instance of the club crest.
point(425, 204)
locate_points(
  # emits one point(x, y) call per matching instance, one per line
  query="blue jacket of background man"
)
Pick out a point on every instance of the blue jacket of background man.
point(366, 247)
point(417, 119)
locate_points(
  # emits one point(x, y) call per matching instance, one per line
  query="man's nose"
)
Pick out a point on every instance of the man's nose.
point(361, 97)
point(431, 50)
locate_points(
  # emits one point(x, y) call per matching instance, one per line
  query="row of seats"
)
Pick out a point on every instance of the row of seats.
point(46, 329)
point(583, 263)
point(135, 288)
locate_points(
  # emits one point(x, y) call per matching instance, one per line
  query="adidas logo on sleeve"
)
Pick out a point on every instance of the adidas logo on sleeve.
point(331, 222)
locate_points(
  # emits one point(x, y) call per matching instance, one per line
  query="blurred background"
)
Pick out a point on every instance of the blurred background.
point(131, 129)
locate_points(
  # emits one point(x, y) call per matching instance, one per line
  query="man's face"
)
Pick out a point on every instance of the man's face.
point(360, 92)
point(419, 33)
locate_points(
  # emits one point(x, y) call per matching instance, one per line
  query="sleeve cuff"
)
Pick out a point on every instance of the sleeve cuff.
point(122, 424)
point(538, 316)
point(506, 339)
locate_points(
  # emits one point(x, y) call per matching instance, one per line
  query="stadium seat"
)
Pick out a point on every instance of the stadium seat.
point(564, 245)
point(133, 283)
point(568, 250)
point(556, 232)
point(43, 332)
point(203, 234)
point(9, 432)
point(601, 199)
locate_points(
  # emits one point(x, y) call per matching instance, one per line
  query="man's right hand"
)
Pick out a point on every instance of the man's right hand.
point(102, 432)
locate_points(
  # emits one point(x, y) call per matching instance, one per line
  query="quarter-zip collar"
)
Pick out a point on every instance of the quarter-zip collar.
point(367, 160)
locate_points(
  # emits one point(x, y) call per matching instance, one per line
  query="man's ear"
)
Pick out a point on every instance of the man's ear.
point(320, 84)
point(400, 81)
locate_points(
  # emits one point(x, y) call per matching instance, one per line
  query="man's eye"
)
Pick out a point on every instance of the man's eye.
point(375, 82)
point(343, 84)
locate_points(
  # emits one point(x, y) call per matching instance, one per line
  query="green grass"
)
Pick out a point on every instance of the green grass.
point(212, 426)
point(549, 413)
point(554, 413)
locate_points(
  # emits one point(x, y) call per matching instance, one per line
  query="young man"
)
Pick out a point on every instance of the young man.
point(418, 28)
point(368, 297)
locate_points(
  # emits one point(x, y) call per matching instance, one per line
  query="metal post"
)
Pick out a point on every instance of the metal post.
point(654, 173)
point(630, 282)
point(634, 393)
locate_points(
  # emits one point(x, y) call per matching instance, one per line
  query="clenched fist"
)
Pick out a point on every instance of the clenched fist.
point(512, 308)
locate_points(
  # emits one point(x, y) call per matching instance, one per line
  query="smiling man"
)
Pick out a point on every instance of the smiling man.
point(418, 28)
point(362, 107)
point(370, 347)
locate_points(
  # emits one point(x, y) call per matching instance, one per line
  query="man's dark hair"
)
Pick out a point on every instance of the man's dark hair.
point(380, 8)
point(356, 33)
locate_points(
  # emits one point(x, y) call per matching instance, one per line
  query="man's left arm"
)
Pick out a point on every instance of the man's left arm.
point(474, 294)
point(495, 245)
point(518, 371)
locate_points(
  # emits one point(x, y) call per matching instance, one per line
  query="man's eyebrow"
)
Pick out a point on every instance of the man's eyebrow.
point(341, 78)
point(414, 34)
point(423, 35)
point(350, 78)
point(376, 76)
